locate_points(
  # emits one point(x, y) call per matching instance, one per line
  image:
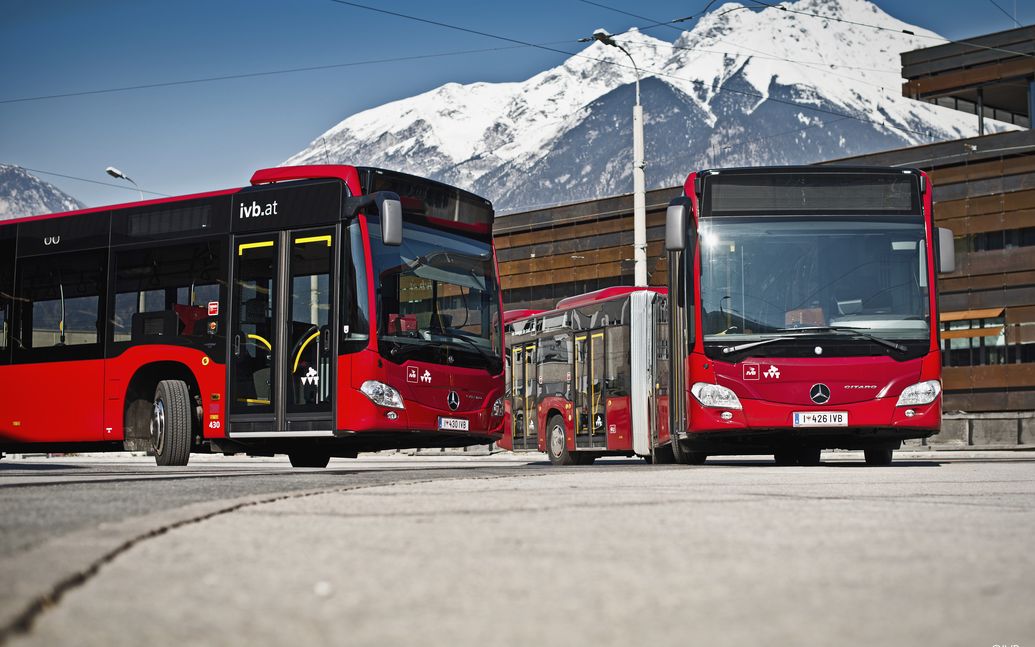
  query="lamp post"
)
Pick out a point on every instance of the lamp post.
point(639, 182)
point(119, 175)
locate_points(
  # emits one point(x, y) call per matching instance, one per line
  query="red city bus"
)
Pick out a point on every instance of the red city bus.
point(803, 312)
point(322, 311)
point(588, 378)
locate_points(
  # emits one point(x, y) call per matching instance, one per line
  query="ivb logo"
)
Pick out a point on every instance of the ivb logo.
point(256, 210)
point(751, 371)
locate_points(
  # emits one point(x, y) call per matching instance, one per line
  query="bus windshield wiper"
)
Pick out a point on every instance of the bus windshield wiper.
point(887, 343)
point(490, 360)
point(729, 350)
point(407, 346)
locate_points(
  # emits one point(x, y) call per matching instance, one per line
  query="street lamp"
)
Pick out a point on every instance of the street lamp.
point(639, 182)
point(119, 175)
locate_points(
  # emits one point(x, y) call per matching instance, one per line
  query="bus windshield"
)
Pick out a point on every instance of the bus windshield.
point(772, 276)
point(437, 298)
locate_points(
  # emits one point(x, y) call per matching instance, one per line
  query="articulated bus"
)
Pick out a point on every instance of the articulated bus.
point(799, 316)
point(588, 378)
point(321, 311)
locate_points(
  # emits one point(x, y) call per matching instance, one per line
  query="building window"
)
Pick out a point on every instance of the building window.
point(983, 338)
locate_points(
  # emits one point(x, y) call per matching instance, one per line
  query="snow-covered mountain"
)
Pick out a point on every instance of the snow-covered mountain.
point(23, 194)
point(742, 87)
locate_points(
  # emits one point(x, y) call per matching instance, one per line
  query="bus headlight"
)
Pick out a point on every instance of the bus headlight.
point(922, 393)
point(713, 395)
point(497, 408)
point(382, 395)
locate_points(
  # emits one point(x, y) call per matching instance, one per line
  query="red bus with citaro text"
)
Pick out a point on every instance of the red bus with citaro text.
point(803, 312)
point(321, 311)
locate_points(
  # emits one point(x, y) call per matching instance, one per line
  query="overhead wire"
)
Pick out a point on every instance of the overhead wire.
point(1006, 13)
point(658, 73)
point(908, 32)
point(245, 75)
point(83, 179)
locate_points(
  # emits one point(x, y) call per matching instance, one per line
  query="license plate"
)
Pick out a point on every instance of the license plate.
point(452, 424)
point(820, 418)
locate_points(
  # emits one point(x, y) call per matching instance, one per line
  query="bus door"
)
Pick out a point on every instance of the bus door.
point(590, 412)
point(517, 394)
point(282, 367)
point(531, 398)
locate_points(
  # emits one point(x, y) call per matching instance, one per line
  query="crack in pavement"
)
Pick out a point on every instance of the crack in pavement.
point(23, 621)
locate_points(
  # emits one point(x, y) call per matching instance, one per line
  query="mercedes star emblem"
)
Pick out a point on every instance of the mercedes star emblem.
point(454, 400)
point(819, 393)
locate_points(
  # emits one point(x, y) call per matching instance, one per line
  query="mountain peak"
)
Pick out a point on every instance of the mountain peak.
point(23, 194)
point(787, 84)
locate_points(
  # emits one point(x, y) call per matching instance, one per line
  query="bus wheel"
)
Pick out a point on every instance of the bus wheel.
point(556, 448)
point(308, 459)
point(171, 423)
point(664, 455)
point(695, 458)
point(684, 456)
point(878, 456)
point(809, 456)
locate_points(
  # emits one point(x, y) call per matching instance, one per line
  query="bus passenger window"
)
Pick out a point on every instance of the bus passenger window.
point(165, 294)
point(59, 299)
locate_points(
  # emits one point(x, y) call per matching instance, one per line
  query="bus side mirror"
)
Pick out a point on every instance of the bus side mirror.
point(676, 216)
point(391, 212)
point(946, 251)
point(389, 208)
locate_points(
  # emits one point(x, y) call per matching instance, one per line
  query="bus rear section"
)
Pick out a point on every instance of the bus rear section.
point(804, 310)
point(589, 378)
point(321, 312)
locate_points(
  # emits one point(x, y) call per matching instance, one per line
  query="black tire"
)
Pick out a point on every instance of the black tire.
point(556, 445)
point(695, 458)
point(171, 418)
point(785, 457)
point(878, 456)
point(684, 456)
point(584, 458)
point(664, 455)
point(309, 459)
point(809, 457)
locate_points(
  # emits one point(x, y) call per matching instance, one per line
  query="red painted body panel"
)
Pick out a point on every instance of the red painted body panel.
point(618, 418)
point(425, 399)
point(506, 441)
point(210, 376)
point(347, 174)
point(52, 403)
point(769, 403)
point(549, 404)
point(514, 315)
point(92, 395)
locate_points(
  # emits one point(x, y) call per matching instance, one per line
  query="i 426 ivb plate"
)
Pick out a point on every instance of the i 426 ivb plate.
point(820, 418)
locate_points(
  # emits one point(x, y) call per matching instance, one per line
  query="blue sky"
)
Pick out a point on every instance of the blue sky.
point(202, 136)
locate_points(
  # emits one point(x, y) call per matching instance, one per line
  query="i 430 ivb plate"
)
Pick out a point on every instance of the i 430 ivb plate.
point(820, 418)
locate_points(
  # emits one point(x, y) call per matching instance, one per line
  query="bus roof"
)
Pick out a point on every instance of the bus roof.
point(603, 294)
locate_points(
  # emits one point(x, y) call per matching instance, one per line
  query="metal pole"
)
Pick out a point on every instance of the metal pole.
point(639, 181)
point(639, 198)
point(639, 187)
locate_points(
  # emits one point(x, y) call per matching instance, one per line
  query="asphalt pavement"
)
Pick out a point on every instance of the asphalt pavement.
point(933, 550)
